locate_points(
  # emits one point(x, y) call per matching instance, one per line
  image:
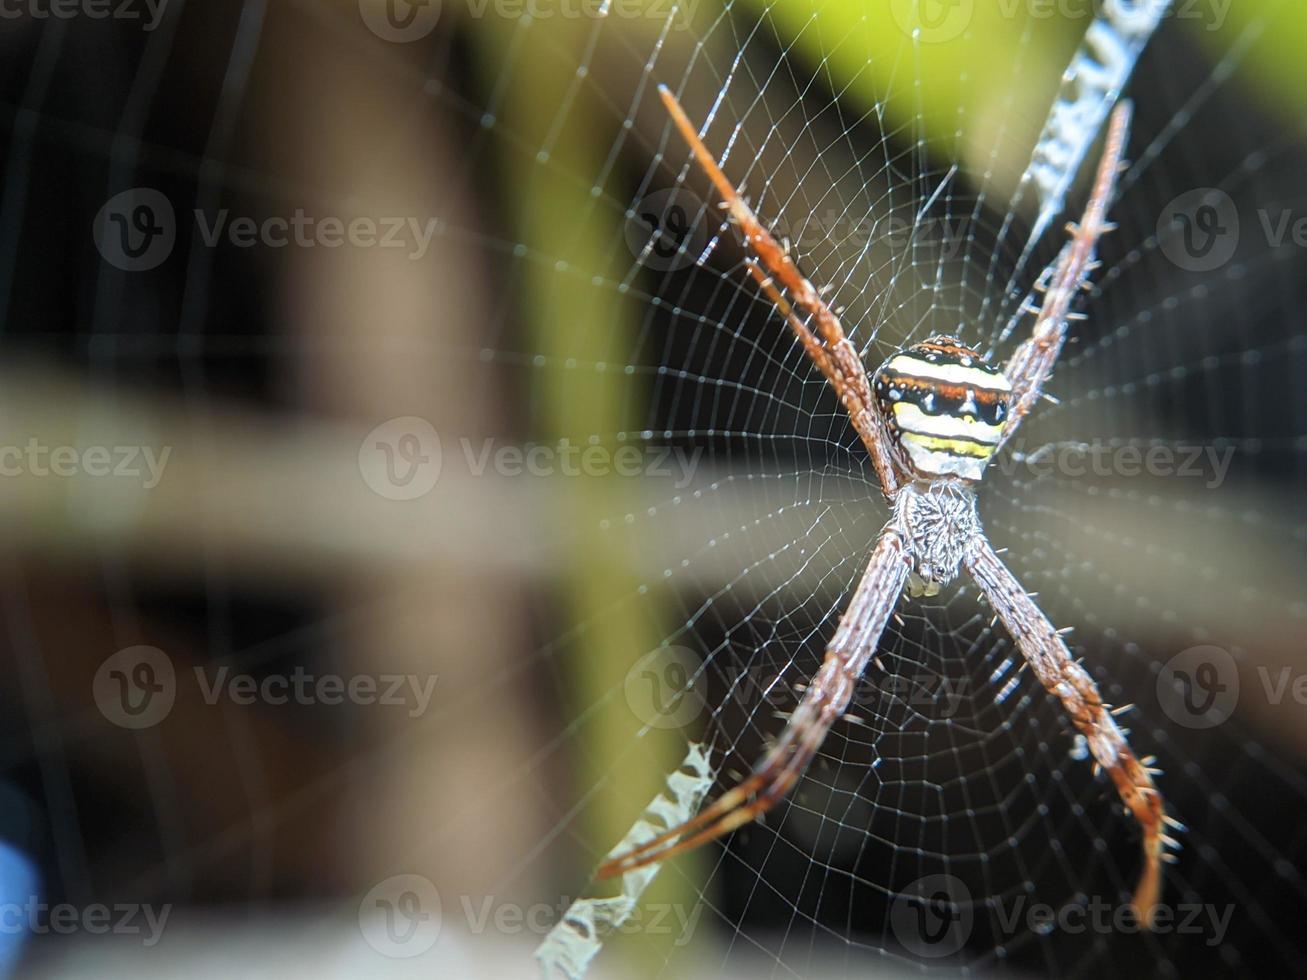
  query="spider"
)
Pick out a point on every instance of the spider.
point(931, 418)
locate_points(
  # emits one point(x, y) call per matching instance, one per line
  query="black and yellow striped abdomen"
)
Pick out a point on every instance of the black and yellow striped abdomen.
point(946, 405)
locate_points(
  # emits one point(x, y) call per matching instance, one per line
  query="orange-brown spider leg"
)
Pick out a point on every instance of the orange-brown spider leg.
point(826, 699)
point(1045, 651)
point(829, 348)
point(1032, 363)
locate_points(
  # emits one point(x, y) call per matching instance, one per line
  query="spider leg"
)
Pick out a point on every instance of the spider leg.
point(1031, 365)
point(828, 348)
point(1063, 677)
point(826, 699)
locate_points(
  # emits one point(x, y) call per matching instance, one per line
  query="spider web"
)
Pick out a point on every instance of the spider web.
point(690, 602)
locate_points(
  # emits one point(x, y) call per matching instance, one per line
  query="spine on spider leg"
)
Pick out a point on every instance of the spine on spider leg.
point(1059, 673)
point(1107, 744)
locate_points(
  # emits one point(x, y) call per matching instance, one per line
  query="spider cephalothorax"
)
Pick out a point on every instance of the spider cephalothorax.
point(945, 406)
point(930, 419)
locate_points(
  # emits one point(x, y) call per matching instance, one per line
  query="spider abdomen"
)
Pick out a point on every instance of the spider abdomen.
point(945, 405)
